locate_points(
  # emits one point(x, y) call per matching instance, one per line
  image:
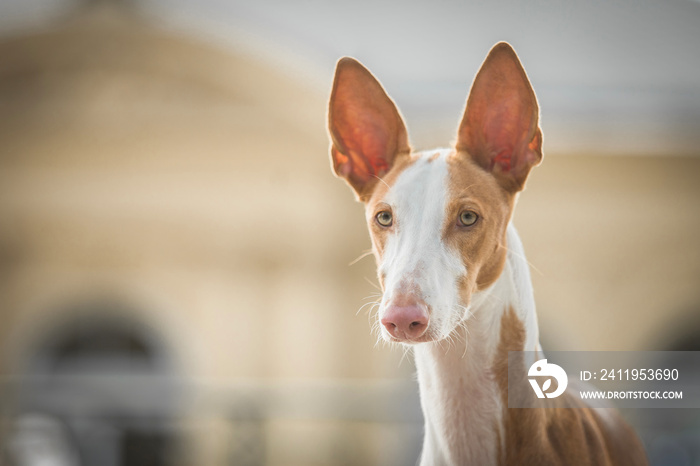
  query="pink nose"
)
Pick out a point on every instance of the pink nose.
point(406, 322)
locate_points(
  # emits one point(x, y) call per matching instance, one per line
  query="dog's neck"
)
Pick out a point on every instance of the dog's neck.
point(460, 396)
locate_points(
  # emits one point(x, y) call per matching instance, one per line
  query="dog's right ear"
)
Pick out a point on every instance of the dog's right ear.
point(366, 129)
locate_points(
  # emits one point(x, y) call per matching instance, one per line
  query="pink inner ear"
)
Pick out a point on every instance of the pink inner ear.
point(504, 159)
point(373, 143)
point(363, 148)
point(499, 128)
point(507, 125)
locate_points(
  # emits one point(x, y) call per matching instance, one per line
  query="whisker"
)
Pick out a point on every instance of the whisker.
point(371, 303)
point(375, 307)
point(469, 187)
point(466, 338)
point(364, 254)
point(372, 283)
point(522, 257)
point(380, 179)
point(498, 299)
point(406, 349)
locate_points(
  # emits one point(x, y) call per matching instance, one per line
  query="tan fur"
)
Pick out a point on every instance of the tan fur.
point(434, 157)
point(570, 434)
point(483, 249)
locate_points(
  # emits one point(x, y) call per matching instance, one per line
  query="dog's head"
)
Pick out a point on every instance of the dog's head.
point(438, 218)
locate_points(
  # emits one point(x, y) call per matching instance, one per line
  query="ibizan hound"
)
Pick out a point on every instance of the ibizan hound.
point(452, 268)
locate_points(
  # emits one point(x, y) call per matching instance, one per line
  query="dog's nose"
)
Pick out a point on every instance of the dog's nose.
point(406, 322)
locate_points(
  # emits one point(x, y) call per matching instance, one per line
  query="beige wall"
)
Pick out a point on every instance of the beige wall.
point(613, 244)
point(192, 186)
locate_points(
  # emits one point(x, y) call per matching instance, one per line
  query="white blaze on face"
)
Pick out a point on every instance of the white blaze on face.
point(416, 260)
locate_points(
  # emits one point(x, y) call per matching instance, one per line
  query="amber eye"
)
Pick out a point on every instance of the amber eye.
point(468, 218)
point(384, 218)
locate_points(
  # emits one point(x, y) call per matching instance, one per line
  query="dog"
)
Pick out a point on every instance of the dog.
point(452, 268)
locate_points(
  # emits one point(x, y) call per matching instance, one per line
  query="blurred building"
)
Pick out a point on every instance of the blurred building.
point(172, 247)
point(174, 279)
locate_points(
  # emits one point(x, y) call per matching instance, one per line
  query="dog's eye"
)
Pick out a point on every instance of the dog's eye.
point(384, 218)
point(468, 218)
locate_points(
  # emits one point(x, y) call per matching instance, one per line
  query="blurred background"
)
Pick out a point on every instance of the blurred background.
point(175, 278)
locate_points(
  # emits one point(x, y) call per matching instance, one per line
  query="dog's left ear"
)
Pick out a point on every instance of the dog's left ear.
point(499, 128)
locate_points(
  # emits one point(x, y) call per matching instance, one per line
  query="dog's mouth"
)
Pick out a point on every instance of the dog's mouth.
point(431, 335)
point(410, 341)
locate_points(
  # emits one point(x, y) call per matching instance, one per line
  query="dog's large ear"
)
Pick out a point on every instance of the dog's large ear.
point(366, 128)
point(499, 128)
